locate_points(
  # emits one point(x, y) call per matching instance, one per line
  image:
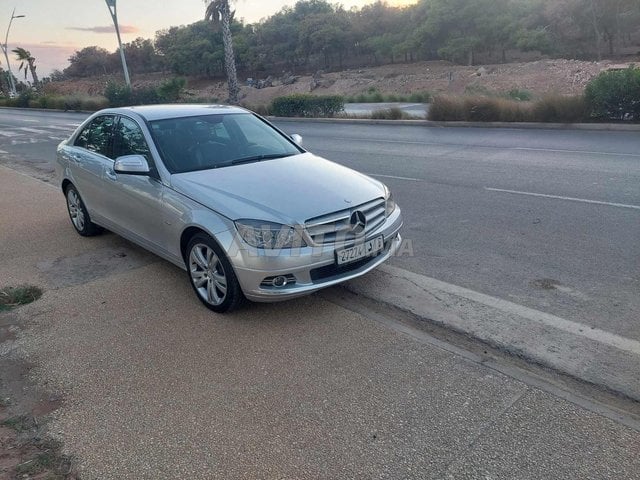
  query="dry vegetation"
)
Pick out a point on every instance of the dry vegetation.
point(561, 77)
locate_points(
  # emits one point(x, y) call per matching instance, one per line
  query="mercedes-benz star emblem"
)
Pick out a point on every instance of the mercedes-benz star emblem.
point(358, 222)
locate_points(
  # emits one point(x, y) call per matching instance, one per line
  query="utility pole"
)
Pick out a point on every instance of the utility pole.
point(111, 5)
point(5, 48)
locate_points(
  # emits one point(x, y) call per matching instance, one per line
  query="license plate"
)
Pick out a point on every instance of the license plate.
point(358, 252)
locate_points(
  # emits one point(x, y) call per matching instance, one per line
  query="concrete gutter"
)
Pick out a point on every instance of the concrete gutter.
point(618, 127)
point(602, 358)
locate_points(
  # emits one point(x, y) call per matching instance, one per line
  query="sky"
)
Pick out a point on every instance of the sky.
point(53, 30)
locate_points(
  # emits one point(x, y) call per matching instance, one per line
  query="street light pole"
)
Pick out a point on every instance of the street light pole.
point(111, 5)
point(5, 48)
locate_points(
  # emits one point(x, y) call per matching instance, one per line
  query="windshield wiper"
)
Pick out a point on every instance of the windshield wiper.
point(257, 158)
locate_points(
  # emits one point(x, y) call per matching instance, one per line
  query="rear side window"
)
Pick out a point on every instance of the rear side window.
point(97, 136)
point(128, 139)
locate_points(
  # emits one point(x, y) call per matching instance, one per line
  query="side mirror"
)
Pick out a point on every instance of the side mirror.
point(132, 165)
point(297, 138)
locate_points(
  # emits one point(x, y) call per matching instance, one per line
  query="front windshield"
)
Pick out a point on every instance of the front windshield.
point(189, 144)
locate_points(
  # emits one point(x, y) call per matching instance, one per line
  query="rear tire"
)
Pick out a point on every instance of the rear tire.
point(78, 213)
point(211, 275)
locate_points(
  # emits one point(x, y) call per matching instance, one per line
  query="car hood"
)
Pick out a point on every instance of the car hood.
point(287, 190)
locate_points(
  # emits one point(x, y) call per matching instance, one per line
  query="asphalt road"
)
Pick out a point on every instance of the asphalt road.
point(549, 219)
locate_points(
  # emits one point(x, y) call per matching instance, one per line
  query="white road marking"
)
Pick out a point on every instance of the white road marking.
point(575, 328)
point(56, 127)
point(29, 120)
point(9, 133)
point(32, 130)
point(2, 152)
point(397, 178)
point(577, 151)
point(559, 197)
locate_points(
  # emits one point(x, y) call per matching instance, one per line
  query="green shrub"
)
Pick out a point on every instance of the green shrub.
point(172, 89)
point(145, 96)
point(22, 100)
point(615, 95)
point(118, 95)
point(300, 105)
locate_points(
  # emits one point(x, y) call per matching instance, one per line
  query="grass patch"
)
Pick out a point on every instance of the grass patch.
point(19, 423)
point(11, 297)
point(36, 465)
point(391, 114)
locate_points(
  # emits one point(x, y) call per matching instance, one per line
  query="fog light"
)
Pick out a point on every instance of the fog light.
point(279, 281)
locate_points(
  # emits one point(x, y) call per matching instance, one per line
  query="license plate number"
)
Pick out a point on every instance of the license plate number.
point(366, 249)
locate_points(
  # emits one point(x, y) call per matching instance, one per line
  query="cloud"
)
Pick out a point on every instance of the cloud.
point(108, 29)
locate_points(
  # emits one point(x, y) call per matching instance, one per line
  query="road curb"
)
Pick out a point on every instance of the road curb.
point(588, 354)
point(427, 123)
point(613, 127)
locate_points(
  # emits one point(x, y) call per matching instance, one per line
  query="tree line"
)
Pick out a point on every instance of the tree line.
point(315, 34)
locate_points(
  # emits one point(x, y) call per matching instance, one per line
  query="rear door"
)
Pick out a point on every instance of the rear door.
point(87, 158)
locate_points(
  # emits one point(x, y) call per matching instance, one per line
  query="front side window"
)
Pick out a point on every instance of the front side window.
point(97, 136)
point(128, 139)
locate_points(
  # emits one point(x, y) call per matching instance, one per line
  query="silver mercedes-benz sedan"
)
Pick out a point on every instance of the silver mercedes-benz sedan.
point(228, 197)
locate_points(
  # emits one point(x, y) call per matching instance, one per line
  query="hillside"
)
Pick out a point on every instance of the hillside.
point(539, 77)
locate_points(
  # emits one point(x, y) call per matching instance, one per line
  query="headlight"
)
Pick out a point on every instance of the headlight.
point(389, 204)
point(269, 235)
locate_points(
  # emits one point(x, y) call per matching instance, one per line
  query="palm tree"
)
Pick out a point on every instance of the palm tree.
point(27, 63)
point(219, 12)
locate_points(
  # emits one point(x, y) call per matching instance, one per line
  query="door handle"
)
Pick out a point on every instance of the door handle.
point(111, 175)
point(75, 158)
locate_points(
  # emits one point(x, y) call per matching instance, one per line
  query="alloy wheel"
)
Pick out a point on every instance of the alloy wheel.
point(207, 274)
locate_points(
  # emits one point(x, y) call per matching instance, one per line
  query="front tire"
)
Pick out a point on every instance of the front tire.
point(78, 213)
point(211, 275)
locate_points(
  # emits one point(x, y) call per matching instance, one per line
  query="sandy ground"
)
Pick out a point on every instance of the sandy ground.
point(153, 385)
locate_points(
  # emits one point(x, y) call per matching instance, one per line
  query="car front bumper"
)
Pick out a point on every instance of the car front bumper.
point(310, 268)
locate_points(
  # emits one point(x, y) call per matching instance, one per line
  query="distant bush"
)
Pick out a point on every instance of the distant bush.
point(300, 105)
point(22, 100)
point(559, 109)
point(615, 95)
point(519, 94)
point(118, 95)
point(171, 90)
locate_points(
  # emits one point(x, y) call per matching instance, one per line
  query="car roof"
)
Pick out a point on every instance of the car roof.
point(162, 112)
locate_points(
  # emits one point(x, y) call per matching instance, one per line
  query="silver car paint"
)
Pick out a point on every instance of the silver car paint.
point(155, 212)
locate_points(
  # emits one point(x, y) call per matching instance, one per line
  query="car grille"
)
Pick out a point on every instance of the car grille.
point(336, 227)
